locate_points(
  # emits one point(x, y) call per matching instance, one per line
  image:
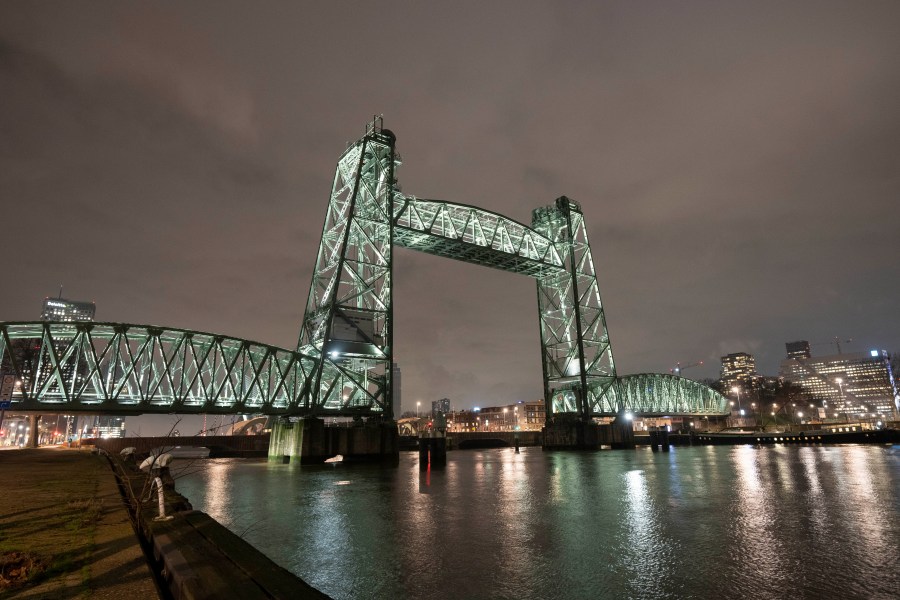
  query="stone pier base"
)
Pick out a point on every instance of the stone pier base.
point(570, 433)
point(309, 441)
point(432, 452)
point(621, 432)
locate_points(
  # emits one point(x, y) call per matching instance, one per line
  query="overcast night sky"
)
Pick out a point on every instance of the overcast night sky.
point(738, 164)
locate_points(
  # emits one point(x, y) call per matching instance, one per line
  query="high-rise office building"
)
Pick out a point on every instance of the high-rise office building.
point(798, 350)
point(738, 369)
point(442, 405)
point(33, 367)
point(60, 309)
point(855, 385)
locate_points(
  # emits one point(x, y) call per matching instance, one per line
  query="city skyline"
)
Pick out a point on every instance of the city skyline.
point(736, 166)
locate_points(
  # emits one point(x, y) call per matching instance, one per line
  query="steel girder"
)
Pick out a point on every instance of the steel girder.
point(659, 394)
point(348, 321)
point(473, 235)
point(125, 368)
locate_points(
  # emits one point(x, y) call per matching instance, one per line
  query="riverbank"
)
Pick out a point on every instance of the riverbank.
point(65, 531)
point(78, 524)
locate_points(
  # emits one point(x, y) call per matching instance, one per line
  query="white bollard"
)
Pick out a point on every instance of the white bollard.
point(162, 504)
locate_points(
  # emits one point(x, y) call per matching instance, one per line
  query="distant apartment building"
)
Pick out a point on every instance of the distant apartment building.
point(534, 416)
point(855, 385)
point(524, 416)
point(442, 405)
point(738, 370)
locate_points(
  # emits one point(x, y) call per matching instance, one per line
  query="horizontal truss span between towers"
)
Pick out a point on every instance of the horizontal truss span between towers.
point(120, 368)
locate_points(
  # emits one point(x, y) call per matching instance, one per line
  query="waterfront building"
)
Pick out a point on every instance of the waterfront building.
point(534, 415)
point(738, 370)
point(463, 420)
point(856, 385)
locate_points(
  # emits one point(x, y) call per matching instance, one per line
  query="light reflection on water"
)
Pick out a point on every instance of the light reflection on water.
point(779, 522)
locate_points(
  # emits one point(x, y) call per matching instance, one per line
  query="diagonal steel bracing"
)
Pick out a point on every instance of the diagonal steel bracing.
point(125, 368)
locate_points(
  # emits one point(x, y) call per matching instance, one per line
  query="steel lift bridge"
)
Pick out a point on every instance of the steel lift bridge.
point(342, 363)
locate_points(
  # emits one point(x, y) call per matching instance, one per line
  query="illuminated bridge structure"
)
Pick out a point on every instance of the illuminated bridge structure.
point(342, 363)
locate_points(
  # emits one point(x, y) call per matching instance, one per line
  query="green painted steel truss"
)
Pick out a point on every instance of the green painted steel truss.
point(141, 369)
point(656, 394)
point(342, 364)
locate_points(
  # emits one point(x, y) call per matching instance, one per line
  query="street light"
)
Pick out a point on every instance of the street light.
point(418, 404)
point(840, 383)
point(737, 390)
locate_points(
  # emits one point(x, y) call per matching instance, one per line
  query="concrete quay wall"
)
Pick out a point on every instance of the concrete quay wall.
point(192, 555)
point(220, 446)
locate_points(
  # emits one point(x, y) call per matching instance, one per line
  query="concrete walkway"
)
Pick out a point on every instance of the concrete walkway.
point(63, 520)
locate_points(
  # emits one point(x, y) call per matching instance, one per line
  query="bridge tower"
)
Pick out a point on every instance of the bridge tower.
point(577, 360)
point(348, 323)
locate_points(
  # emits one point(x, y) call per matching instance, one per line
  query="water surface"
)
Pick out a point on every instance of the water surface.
point(701, 522)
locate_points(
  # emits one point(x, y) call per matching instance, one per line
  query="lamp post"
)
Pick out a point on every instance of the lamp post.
point(737, 390)
point(840, 383)
point(418, 404)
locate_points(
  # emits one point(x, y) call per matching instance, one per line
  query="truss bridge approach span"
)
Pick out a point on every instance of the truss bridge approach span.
point(342, 363)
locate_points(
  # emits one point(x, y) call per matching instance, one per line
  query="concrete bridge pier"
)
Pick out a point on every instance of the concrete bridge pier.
point(309, 441)
point(568, 432)
point(659, 439)
point(432, 451)
point(621, 432)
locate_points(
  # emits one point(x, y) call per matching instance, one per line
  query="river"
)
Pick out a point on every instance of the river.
point(698, 522)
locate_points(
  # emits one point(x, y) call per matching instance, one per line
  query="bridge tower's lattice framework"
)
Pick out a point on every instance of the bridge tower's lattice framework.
point(347, 326)
point(576, 354)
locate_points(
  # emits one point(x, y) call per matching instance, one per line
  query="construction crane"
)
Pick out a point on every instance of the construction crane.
point(680, 367)
point(836, 341)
